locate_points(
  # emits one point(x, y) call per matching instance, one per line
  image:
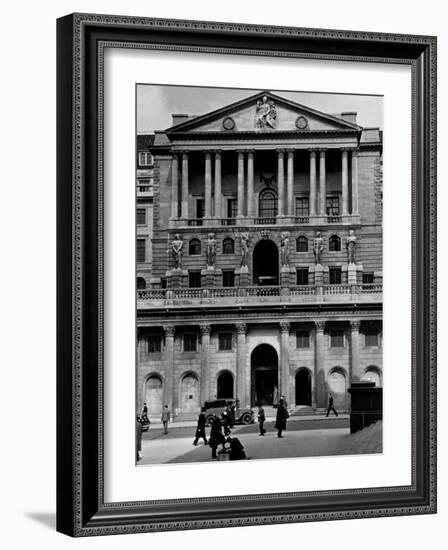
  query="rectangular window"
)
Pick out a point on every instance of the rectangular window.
point(225, 341)
point(194, 279)
point(200, 207)
point(190, 342)
point(303, 339)
point(144, 185)
point(302, 207)
point(141, 250)
point(228, 277)
point(145, 158)
point(337, 338)
point(231, 208)
point(302, 276)
point(367, 278)
point(154, 343)
point(333, 206)
point(141, 216)
point(372, 338)
point(335, 276)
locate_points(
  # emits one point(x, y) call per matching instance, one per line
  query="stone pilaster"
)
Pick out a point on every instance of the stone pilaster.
point(319, 391)
point(168, 382)
point(344, 182)
point(290, 184)
point(241, 390)
point(185, 185)
point(280, 181)
point(205, 366)
point(312, 182)
point(250, 184)
point(174, 187)
point(218, 207)
point(284, 360)
point(323, 183)
point(240, 183)
point(355, 201)
point(208, 186)
point(354, 374)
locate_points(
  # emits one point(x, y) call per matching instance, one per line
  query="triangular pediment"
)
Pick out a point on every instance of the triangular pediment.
point(263, 112)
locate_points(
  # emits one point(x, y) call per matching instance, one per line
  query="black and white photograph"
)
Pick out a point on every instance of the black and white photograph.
point(259, 257)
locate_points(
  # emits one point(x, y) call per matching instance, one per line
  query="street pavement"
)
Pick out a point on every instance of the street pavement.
point(316, 436)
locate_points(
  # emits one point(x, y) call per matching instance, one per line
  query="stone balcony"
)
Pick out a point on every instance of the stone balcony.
point(253, 295)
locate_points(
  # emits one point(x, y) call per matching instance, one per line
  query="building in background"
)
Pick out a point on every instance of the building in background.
point(259, 265)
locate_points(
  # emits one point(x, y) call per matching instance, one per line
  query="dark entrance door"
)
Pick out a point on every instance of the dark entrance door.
point(265, 263)
point(264, 375)
point(303, 387)
point(225, 385)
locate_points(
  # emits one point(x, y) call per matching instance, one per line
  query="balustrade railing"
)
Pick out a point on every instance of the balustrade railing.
point(334, 219)
point(337, 289)
point(228, 221)
point(265, 221)
point(195, 222)
point(302, 219)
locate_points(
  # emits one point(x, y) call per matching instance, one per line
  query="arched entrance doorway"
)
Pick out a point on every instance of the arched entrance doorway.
point(265, 263)
point(225, 385)
point(303, 387)
point(337, 386)
point(373, 374)
point(189, 393)
point(264, 375)
point(154, 395)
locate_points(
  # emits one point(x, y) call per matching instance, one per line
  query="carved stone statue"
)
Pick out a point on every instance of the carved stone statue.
point(244, 249)
point(177, 251)
point(266, 114)
point(284, 249)
point(351, 247)
point(210, 250)
point(318, 247)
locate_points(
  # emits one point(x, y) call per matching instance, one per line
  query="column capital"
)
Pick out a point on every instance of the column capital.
point(169, 330)
point(241, 328)
point(183, 152)
point(355, 324)
point(240, 151)
point(312, 152)
point(320, 326)
point(281, 152)
point(207, 153)
point(285, 327)
point(355, 151)
point(322, 151)
point(175, 154)
point(290, 151)
point(205, 329)
point(346, 149)
point(216, 152)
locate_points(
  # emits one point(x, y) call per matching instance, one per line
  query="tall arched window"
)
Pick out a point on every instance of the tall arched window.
point(334, 244)
point(228, 246)
point(267, 204)
point(141, 283)
point(302, 244)
point(194, 247)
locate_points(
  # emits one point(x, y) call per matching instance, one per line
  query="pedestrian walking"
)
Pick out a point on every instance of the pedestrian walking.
point(261, 419)
point(231, 415)
point(331, 406)
point(166, 417)
point(200, 428)
point(236, 449)
point(138, 439)
point(216, 436)
point(225, 421)
point(282, 416)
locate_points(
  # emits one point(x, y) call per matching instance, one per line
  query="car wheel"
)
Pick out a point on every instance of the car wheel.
point(246, 419)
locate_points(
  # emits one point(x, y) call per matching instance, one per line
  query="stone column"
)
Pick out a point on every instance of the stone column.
point(355, 205)
point(205, 363)
point(344, 183)
point(241, 329)
point(185, 185)
point(323, 184)
point(208, 186)
point(290, 182)
point(284, 360)
point(250, 184)
point(168, 382)
point(240, 193)
point(218, 207)
point(354, 374)
point(280, 181)
point(312, 182)
point(174, 187)
point(319, 390)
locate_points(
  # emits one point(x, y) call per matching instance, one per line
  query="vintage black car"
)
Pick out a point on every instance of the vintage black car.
point(216, 407)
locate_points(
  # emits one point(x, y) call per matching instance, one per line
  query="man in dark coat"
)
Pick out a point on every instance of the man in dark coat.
point(138, 439)
point(216, 436)
point(236, 449)
point(261, 419)
point(331, 406)
point(282, 416)
point(200, 428)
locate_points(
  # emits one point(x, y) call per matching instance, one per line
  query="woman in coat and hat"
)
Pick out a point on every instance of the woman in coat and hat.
point(282, 416)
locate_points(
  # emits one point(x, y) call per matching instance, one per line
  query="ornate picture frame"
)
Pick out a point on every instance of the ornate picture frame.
point(81, 506)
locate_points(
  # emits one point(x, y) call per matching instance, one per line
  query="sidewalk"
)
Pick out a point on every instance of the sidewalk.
point(155, 424)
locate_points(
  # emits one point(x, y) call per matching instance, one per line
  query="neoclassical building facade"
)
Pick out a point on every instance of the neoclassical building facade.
point(265, 268)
